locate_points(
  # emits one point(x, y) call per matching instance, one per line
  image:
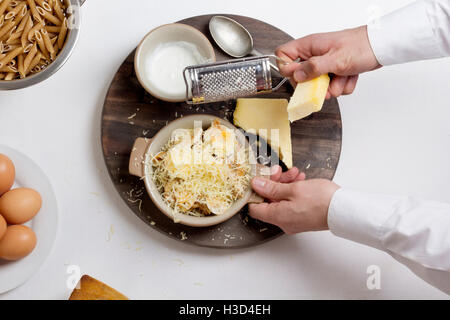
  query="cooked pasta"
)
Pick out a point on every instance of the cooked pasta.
point(32, 34)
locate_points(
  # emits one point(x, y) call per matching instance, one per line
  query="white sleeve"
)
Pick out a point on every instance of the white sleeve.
point(414, 232)
point(418, 31)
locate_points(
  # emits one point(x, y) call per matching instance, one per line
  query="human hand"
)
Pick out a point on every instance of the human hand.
point(295, 204)
point(345, 54)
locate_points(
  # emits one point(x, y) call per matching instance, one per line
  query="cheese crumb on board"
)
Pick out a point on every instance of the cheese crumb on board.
point(308, 97)
point(261, 116)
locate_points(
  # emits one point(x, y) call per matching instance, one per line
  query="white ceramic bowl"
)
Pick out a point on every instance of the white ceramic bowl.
point(144, 149)
point(168, 33)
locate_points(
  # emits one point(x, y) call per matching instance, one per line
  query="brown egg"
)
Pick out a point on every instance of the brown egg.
point(7, 173)
point(20, 205)
point(17, 242)
point(3, 226)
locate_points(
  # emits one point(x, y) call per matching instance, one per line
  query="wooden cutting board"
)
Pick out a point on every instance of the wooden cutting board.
point(130, 112)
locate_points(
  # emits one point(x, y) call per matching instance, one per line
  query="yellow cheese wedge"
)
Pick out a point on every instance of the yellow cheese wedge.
point(260, 116)
point(308, 97)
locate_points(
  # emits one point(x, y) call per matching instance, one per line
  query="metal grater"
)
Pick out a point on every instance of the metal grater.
point(230, 79)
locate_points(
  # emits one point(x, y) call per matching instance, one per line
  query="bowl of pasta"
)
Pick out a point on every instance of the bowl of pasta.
point(197, 170)
point(36, 38)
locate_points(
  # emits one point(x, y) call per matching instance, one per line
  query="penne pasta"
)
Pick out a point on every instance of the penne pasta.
point(14, 39)
point(11, 55)
point(53, 29)
point(32, 33)
point(41, 44)
point(20, 65)
point(59, 11)
point(34, 12)
point(33, 30)
point(28, 48)
point(26, 31)
point(48, 44)
point(46, 6)
point(6, 36)
point(10, 76)
point(29, 57)
point(62, 34)
point(9, 47)
point(48, 16)
point(3, 6)
point(6, 28)
point(16, 11)
point(22, 24)
point(34, 62)
point(8, 69)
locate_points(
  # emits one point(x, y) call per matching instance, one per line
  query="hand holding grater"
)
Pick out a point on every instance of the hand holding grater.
point(229, 79)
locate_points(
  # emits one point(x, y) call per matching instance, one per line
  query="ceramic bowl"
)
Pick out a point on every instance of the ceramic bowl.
point(168, 33)
point(145, 148)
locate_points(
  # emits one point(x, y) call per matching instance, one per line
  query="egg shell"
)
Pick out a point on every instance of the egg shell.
point(3, 227)
point(7, 173)
point(18, 242)
point(20, 205)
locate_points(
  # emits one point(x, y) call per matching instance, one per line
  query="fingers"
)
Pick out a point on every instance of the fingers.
point(341, 85)
point(337, 86)
point(287, 70)
point(292, 50)
point(301, 177)
point(275, 173)
point(268, 212)
point(289, 51)
point(289, 176)
point(272, 190)
point(351, 84)
point(316, 61)
point(313, 68)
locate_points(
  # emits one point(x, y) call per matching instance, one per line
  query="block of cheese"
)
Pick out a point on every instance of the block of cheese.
point(261, 116)
point(91, 289)
point(308, 97)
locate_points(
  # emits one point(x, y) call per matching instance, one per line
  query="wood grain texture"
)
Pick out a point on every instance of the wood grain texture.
point(130, 112)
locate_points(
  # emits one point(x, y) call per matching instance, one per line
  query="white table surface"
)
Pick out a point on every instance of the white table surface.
point(396, 139)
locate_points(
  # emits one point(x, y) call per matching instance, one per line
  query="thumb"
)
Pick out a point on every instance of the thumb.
point(272, 190)
point(313, 68)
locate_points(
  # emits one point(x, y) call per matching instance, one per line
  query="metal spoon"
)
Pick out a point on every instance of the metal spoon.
point(233, 38)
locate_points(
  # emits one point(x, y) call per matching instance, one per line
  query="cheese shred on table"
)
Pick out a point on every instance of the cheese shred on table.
point(200, 173)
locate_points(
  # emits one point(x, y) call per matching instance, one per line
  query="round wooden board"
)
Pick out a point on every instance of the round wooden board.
point(130, 112)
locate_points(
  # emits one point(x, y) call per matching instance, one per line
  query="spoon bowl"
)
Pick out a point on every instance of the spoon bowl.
point(231, 36)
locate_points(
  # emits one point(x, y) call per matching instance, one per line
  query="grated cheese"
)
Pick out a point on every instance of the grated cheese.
point(201, 172)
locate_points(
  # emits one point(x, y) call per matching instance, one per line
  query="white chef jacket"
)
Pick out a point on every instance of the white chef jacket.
point(413, 231)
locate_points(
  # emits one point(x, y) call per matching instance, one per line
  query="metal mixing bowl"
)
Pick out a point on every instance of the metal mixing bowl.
point(63, 56)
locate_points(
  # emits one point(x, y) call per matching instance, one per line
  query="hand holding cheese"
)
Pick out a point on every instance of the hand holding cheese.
point(345, 53)
point(308, 97)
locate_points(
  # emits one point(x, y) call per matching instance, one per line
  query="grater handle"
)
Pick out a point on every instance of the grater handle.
point(258, 53)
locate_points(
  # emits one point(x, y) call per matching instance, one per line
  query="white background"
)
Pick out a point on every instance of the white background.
point(396, 139)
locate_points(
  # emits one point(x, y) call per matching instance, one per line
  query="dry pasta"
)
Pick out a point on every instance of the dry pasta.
point(32, 34)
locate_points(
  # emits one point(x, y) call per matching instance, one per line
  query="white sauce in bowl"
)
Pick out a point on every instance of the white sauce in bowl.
point(164, 66)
